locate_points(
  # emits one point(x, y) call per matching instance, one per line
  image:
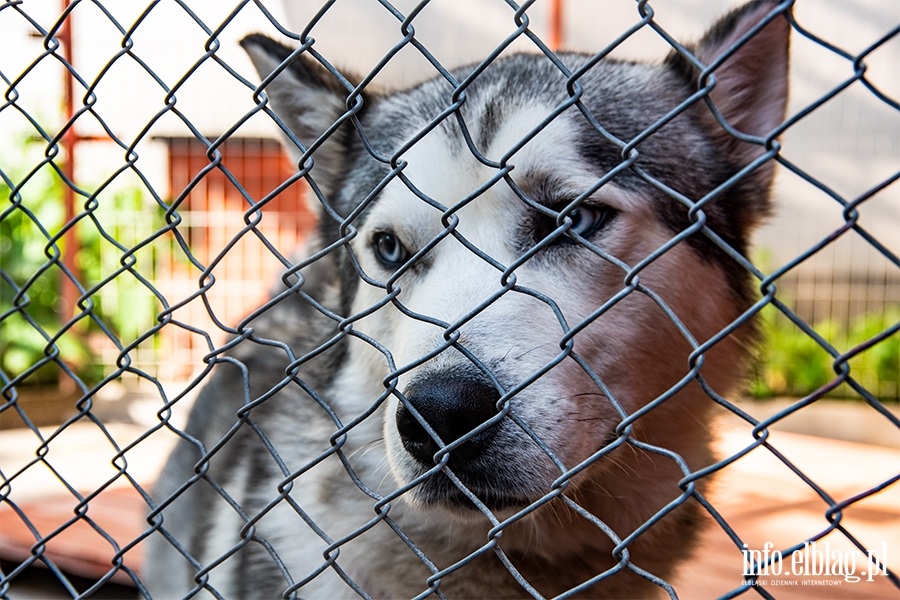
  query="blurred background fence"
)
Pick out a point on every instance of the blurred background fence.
point(110, 108)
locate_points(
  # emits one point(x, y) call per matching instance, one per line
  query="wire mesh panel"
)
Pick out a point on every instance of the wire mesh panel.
point(504, 347)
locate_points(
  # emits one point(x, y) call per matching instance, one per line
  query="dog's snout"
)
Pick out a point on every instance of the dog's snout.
point(453, 408)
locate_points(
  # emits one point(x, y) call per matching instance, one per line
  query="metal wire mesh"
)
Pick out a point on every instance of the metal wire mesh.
point(94, 313)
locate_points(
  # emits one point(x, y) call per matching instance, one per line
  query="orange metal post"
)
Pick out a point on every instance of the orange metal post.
point(556, 25)
point(68, 291)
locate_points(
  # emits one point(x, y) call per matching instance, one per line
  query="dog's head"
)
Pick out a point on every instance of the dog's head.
point(528, 252)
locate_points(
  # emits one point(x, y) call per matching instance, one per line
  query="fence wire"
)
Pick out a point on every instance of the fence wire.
point(68, 306)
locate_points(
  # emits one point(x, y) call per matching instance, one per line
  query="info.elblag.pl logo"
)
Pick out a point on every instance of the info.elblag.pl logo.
point(814, 560)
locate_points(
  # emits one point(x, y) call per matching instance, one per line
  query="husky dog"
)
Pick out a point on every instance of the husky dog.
point(497, 362)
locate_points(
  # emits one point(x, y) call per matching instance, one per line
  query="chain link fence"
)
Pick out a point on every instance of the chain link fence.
point(117, 310)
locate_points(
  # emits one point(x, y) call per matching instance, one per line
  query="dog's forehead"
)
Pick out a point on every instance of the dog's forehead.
point(521, 112)
point(442, 167)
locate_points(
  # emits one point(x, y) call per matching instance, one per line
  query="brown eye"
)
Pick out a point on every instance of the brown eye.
point(389, 250)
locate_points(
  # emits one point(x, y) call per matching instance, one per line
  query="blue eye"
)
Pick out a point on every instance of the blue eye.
point(389, 250)
point(587, 220)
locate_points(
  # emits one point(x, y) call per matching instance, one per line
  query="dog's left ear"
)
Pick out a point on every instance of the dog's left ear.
point(752, 83)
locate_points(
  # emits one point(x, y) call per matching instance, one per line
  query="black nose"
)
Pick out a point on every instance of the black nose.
point(453, 408)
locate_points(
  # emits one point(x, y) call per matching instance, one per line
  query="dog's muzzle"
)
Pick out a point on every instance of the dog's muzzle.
point(453, 407)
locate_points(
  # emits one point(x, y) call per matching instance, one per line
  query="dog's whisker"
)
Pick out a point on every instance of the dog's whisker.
point(534, 349)
point(583, 394)
point(365, 448)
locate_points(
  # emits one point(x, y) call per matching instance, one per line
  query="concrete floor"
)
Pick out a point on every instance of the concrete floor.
point(758, 496)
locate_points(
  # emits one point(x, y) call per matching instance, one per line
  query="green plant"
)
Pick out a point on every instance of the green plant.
point(793, 363)
point(123, 304)
point(22, 248)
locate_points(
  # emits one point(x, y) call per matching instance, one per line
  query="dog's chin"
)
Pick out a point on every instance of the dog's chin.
point(494, 482)
point(438, 492)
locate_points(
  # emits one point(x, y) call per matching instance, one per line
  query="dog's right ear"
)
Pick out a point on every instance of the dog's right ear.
point(750, 93)
point(308, 99)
